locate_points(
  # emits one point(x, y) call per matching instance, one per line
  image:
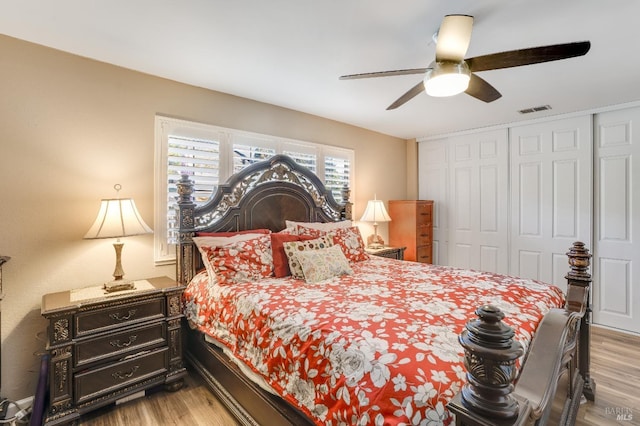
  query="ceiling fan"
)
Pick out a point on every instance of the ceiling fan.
point(451, 74)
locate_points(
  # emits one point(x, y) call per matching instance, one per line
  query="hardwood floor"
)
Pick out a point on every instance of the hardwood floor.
point(616, 371)
point(193, 405)
point(614, 367)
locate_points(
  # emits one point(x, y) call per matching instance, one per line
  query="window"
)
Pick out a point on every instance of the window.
point(249, 149)
point(198, 158)
point(337, 171)
point(210, 154)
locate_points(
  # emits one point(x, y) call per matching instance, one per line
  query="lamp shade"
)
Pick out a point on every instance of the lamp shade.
point(117, 217)
point(375, 212)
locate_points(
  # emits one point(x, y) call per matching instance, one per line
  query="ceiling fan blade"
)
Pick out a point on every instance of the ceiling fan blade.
point(411, 93)
point(454, 36)
point(480, 89)
point(533, 55)
point(384, 73)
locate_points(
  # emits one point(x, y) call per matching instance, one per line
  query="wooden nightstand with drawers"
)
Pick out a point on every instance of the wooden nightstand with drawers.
point(107, 346)
point(390, 252)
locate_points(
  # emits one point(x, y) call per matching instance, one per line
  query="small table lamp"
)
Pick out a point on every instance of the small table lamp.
point(118, 217)
point(375, 212)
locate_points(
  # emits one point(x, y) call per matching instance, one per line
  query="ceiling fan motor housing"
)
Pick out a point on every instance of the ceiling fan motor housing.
point(446, 78)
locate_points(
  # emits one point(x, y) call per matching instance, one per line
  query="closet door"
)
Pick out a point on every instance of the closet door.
point(551, 196)
point(433, 183)
point(478, 218)
point(616, 295)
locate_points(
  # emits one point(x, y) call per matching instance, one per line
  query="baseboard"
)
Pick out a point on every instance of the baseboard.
point(21, 405)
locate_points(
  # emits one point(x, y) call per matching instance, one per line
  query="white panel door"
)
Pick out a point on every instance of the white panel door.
point(616, 295)
point(433, 185)
point(478, 218)
point(551, 196)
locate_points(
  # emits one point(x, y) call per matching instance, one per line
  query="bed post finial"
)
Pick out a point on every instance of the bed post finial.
point(490, 360)
point(578, 290)
point(579, 262)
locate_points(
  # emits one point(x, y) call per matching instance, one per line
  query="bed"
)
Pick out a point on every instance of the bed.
point(350, 338)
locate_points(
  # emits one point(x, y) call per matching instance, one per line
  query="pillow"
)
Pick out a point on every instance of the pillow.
point(219, 241)
point(232, 233)
point(350, 240)
point(322, 226)
point(239, 261)
point(280, 261)
point(294, 247)
point(309, 232)
point(322, 264)
point(292, 230)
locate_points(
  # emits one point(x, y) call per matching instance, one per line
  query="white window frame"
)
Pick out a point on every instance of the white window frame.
point(165, 127)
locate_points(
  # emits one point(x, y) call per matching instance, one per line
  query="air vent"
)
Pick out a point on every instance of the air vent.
point(535, 109)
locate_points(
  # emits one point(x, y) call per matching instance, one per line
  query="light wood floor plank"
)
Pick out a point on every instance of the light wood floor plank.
point(614, 367)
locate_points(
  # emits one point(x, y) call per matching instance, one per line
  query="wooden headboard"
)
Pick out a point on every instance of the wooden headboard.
point(262, 195)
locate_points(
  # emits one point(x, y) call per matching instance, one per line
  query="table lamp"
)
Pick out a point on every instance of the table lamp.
point(375, 212)
point(118, 217)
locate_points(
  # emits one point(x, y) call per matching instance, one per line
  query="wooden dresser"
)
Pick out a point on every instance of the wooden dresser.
point(108, 347)
point(411, 226)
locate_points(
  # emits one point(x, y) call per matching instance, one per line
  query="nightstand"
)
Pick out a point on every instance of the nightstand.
point(107, 346)
point(390, 252)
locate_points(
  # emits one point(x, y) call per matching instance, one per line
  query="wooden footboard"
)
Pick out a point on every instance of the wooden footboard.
point(555, 373)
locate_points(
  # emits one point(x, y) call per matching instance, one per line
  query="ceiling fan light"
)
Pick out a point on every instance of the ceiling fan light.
point(447, 79)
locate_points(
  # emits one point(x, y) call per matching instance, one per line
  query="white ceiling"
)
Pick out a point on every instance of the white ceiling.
point(291, 52)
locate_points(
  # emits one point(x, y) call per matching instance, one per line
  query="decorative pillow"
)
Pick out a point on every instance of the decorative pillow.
point(239, 261)
point(233, 233)
point(322, 226)
point(293, 248)
point(280, 261)
point(212, 241)
point(350, 240)
point(322, 264)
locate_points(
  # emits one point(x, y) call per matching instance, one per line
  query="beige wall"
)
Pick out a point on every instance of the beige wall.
point(70, 129)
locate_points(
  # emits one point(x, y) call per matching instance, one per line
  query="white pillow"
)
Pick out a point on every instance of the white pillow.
point(321, 226)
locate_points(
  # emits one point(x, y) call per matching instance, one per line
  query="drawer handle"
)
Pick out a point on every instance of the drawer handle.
point(117, 316)
point(117, 344)
point(120, 375)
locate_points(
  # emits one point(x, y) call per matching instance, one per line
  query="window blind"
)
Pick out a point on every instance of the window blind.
point(209, 155)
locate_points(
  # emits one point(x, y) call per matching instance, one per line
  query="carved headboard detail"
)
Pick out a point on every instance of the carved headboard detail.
point(262, 195)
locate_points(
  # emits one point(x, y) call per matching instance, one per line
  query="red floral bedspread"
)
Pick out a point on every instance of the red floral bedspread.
point(377, 347)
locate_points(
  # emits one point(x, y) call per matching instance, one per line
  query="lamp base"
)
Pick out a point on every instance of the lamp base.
point(375, 241)
point(119, 285)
